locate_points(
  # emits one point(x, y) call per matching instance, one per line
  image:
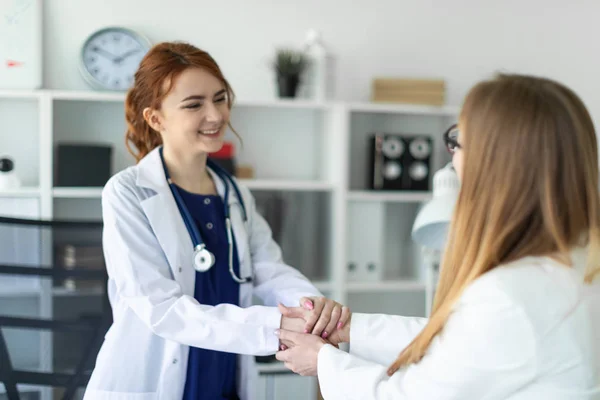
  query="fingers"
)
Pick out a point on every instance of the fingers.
point(344, 317)
point(289, 338)
point(313, 317)
point(291, 312)
point(333, 321)
point(393, 368)
point(324, 319)
point(307, 303)
point(283, 356)
point(288, 366)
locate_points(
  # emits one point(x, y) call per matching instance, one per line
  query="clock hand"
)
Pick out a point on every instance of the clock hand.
point(121, 58)
point(104, 53)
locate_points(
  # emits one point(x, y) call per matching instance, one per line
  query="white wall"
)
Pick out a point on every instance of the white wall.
point(459, 40)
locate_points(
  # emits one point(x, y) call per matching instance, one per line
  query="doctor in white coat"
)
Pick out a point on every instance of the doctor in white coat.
point(180, 281)
point(515, 315)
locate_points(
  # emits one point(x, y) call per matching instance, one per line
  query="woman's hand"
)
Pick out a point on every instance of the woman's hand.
point(341, 335)
point(322, 315)
point(290, 324)
point(302, 354)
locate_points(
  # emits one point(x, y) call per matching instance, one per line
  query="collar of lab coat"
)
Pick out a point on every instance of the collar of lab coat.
point(165, 218)
point(151, 175)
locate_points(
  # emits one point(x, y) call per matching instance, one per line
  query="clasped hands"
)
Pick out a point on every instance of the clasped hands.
point(307, 328)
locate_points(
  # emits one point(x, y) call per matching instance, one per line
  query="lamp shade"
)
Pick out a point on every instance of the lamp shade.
point(430, 228)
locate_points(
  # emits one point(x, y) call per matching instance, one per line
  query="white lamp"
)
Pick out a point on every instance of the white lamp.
point(431, 225)
point(430, 228)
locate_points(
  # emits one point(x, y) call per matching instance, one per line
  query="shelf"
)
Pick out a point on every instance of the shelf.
point(77, 192)
point(15, 294)
point(119, 96)
point(252, 184)
point(20, 192)
point(389, 196)
point(385, 286)
point(286, 185)
point(116, 96)
point(282, 103)
point(20, 94)
point(99, 291)
point(96, 291)
point(272, 368)
point(64, 292)
point(84, 95)
point(413, 109)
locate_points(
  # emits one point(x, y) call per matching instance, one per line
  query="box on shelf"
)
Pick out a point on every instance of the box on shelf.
point(244, 172)
point(409, 91)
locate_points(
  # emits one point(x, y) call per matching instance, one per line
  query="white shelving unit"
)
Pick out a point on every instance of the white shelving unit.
point(313, 156)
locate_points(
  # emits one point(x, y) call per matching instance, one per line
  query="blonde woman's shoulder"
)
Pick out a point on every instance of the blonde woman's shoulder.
point(546, 290)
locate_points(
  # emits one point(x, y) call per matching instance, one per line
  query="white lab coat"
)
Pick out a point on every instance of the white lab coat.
point(520, 332)
point(149, 255)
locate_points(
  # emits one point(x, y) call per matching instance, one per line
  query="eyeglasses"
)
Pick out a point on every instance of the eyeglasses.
point(451, 139)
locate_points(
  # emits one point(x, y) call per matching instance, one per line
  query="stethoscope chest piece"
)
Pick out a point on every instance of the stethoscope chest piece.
point(203, 259)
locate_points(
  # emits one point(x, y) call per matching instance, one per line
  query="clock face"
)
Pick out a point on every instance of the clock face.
point(111, 56)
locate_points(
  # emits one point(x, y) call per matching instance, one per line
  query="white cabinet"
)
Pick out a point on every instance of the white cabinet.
point(310, 162)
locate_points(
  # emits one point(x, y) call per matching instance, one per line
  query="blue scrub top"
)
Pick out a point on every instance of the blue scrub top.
point(212, 374)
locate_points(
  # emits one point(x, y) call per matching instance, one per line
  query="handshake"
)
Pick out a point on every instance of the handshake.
point(306, 329)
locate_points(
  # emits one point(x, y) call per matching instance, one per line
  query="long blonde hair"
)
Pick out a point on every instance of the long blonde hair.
point(529, 187)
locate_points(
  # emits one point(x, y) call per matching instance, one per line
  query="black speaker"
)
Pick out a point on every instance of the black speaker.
point(399, 162)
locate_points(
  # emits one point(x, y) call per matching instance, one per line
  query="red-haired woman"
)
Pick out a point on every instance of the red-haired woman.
point(186, 249)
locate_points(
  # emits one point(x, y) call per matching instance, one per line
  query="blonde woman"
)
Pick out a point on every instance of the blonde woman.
point(513, 313)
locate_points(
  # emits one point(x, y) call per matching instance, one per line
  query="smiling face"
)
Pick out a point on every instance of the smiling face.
point(194, 114)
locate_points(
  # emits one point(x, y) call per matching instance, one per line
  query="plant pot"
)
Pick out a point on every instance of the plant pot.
point(288, 85)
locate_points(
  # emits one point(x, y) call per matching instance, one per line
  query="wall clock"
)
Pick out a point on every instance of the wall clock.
point(111, 56)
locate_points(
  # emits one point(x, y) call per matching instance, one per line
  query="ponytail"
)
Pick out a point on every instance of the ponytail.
point(139, 134)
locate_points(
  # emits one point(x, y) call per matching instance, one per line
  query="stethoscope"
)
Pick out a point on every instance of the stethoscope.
point(203, 259)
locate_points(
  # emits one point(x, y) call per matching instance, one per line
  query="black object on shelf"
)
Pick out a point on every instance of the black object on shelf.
point(287, 85)
point(82, 164)
point(399, 162)
point(6, 164)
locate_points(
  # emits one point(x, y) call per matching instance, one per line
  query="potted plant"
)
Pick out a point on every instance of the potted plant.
point(289, 65)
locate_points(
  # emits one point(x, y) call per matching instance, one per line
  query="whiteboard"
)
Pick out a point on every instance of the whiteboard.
point(20, 44)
